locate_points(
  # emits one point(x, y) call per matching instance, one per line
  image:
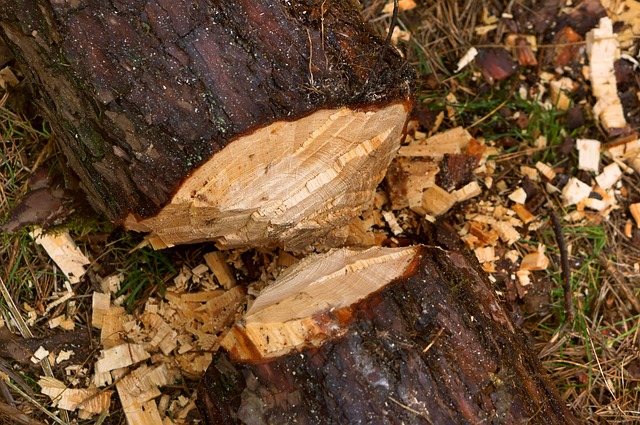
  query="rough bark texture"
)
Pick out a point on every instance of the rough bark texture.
point(433, 347)
point(140, 93)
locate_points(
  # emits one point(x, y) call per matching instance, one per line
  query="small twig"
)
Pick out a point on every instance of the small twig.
point(433, 341)
point(35, 403)
point(564, 265)
point(17, 416)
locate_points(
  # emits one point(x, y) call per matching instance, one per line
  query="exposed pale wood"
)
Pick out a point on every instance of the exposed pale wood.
point(163, 336)
point(519, 196)
point(283, 183)
point(545, 170)
point(451, 141)
point(588, 154)
point(137, 391)
point(534, 261)
point(468, 191)
point(100, 304)
point(63, 250)
point(92, 400)
point(120, 356)
point(507, 232)
point(112, 329)
point(292, 313)
point(523, 213)
point(575, 191)
point(603, 50)
point(217, 262)
point(610, 175)
point(437, 201)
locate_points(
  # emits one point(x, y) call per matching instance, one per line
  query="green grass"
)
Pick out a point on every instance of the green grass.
point(145, 271)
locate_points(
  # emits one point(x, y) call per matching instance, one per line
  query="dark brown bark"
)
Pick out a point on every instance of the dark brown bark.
point(433, 347)
point(140, 93)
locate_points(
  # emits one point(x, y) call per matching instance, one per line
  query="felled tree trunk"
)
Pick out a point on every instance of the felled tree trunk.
point(247, 122)
point(383, 336)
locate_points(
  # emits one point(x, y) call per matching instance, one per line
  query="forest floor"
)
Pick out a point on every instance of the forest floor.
point(552, 182)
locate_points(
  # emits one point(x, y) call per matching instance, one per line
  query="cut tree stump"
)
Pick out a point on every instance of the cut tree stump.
point(406, 335)
point(252, 123)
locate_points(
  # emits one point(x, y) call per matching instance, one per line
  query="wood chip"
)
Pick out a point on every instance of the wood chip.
point(523, 213)
point(603, 51)
point(137, 391)
point(468, 191)
point(545, 170)
point(92, 400)
point(391, 220)
point(64, 252)
point(610, 175)
point(39, 354)
point(466, 59)
point(507, 232)
point(451, 142)
point(534, 261)
point(588, 154)
point(530, 172)
point(519, 196)
point(100, 304)
point(217, 262)
point(575, 191)
point(120, 356)
point(558, 93)
point(485, 254)
point(437, 201)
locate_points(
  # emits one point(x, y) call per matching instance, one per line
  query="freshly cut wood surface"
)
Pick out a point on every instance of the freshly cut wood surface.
point(386, 335)
point(286, 184)
point(180, 117)
point(304, 307)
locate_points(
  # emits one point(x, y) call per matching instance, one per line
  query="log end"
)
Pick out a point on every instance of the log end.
point(287, 184)
point(313, 302)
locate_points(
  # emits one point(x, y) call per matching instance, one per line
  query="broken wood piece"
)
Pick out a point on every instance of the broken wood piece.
point(407, 178)
point(217, 262)
point(436, 201)
point(534, 261)
point(120, 356)
point(448, 142)
point(507, 232)
point(468, 191)
point(91, 400)
point(575, 191)
point(391, 220)
point(63, 251)
point(603, 50)
point(545, 170)
point(523, 213)
point(100, 304)
point(137, 390)
point(519, 196)
point(610, 175)
point(523, 47)
point(416, 325)
point(588, 154)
